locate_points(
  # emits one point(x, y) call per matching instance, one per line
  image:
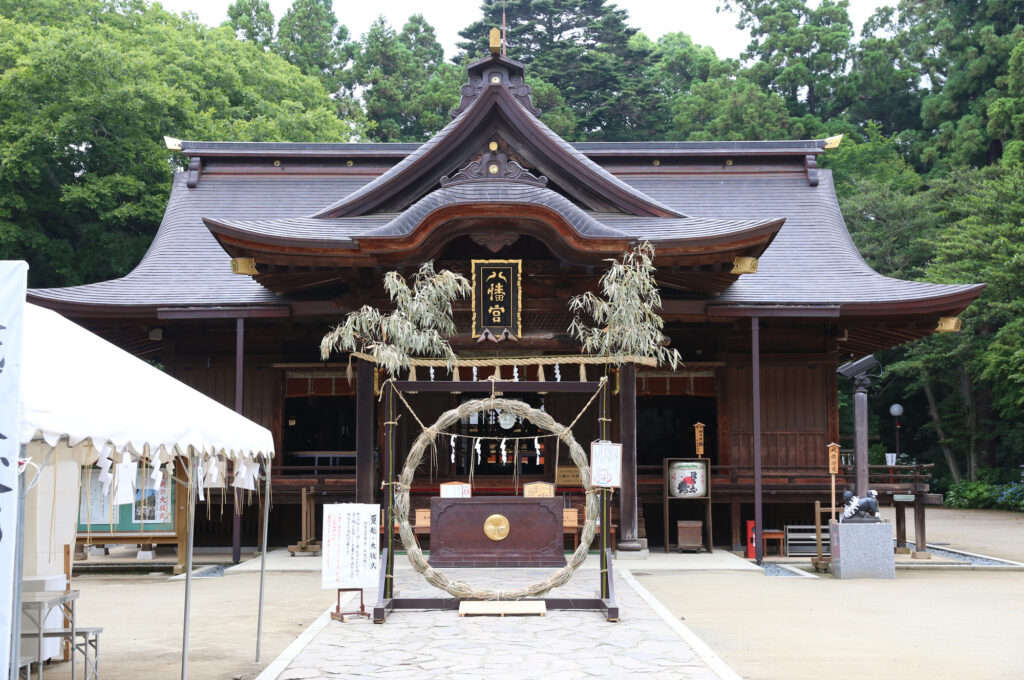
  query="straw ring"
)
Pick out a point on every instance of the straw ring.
point(461, 589)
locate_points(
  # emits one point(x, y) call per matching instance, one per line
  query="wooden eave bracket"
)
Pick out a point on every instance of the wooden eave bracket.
point(811, 166)
point(195, 169)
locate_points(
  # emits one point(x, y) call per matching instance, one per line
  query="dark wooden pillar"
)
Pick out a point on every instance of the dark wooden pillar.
point(755, 358)
point(628, 539)
point(236, 523)
point(364, 432)
point(901, 527)
point(920, 538)
point(735, 524)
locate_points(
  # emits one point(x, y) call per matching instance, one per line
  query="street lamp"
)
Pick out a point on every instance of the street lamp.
point(896, 411)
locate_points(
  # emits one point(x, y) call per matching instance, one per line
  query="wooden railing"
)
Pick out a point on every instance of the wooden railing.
point(910, 477)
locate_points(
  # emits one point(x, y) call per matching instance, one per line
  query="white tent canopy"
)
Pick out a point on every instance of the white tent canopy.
point(81, 391)
point(77, 385)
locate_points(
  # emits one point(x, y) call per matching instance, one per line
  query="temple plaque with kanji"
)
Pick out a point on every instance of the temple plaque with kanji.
point(497, 297)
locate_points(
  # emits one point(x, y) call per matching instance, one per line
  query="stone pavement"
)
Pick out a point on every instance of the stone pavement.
point(563, 645)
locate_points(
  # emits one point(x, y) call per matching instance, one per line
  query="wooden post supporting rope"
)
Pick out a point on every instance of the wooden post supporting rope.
point(389, 480)
point(603, 420)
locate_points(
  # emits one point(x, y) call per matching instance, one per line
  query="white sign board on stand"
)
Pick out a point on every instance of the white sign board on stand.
point(455, 490)
point(351, 546)
point(13, 278)
point(606, 464)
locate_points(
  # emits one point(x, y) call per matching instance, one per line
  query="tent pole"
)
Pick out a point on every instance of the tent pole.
point(263, 559)
point(193, 473)
point(19, 568)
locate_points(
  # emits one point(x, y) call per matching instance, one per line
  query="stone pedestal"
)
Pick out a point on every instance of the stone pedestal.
point(862, 550)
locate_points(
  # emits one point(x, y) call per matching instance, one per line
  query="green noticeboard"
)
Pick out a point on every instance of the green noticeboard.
point(151, 510)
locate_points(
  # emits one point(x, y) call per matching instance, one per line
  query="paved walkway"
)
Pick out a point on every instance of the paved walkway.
point(562, 645)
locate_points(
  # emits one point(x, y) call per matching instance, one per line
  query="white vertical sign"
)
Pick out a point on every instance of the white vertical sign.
point(606, 464)
point(350, 551)
point(13, 276)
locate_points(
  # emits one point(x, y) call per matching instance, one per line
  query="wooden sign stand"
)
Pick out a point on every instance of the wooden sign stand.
point(386, 600)
point(339, 615)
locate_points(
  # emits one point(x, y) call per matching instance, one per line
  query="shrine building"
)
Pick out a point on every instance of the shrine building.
point(265, 246)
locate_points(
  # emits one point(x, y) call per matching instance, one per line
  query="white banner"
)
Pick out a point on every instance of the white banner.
point(13, 277)
point(350, 551)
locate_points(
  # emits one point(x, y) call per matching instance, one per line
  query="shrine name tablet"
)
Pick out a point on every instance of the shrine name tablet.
point(496, 531)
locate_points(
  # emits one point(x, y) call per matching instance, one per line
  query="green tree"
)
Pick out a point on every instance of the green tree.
point(801, 53)
point(87, 88)
point(961, 49)
point(407, 87)
point(309, 37)
point(730, 108)
point(1006, 114)
point(987, 244)
point(252, 21)
point(584, 49)
point(972, 380)
point(885, 81)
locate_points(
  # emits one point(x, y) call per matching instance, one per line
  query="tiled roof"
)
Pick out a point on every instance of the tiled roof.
point(185, 265)
point(343, 232)
point(812, 260)
point(431, 157)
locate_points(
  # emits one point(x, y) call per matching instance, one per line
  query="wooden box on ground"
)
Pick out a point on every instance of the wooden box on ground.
point(690, 534)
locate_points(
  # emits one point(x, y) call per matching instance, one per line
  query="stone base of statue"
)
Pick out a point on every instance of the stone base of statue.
point(862, 550)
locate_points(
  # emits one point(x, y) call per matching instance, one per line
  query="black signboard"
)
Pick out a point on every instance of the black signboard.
point(497, 296)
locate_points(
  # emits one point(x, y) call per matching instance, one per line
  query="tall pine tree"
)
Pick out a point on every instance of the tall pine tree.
point(581, 47)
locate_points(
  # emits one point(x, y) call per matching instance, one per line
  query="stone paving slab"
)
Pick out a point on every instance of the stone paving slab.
point(720, 560)
point(563, 645)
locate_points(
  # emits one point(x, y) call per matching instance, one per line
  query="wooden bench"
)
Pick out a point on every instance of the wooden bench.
point(90, 639)
point(774, 535)
point(801, 540)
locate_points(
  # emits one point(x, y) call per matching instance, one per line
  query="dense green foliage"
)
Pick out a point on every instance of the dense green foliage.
point(981, 495)
point(930, 98)
point(408, 88)
point(88, 89)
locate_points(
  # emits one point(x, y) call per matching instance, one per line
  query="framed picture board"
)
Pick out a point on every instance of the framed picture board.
point(152, 511)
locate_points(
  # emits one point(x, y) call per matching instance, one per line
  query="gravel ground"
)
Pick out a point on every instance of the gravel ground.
point(969, 559)
point(776, 570)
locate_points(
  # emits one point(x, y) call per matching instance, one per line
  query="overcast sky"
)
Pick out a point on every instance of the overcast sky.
point(654, 17)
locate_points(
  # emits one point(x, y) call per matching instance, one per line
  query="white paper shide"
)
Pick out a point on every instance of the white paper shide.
point(351, 546)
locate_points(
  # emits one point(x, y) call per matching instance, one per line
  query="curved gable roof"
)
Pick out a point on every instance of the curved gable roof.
point(496, 112)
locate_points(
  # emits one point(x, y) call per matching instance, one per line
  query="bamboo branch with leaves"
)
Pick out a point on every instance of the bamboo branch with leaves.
point(420, 325)
point(625, 313)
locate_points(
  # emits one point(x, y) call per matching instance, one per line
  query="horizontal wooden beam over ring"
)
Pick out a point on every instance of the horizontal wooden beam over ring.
point(485, 386)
